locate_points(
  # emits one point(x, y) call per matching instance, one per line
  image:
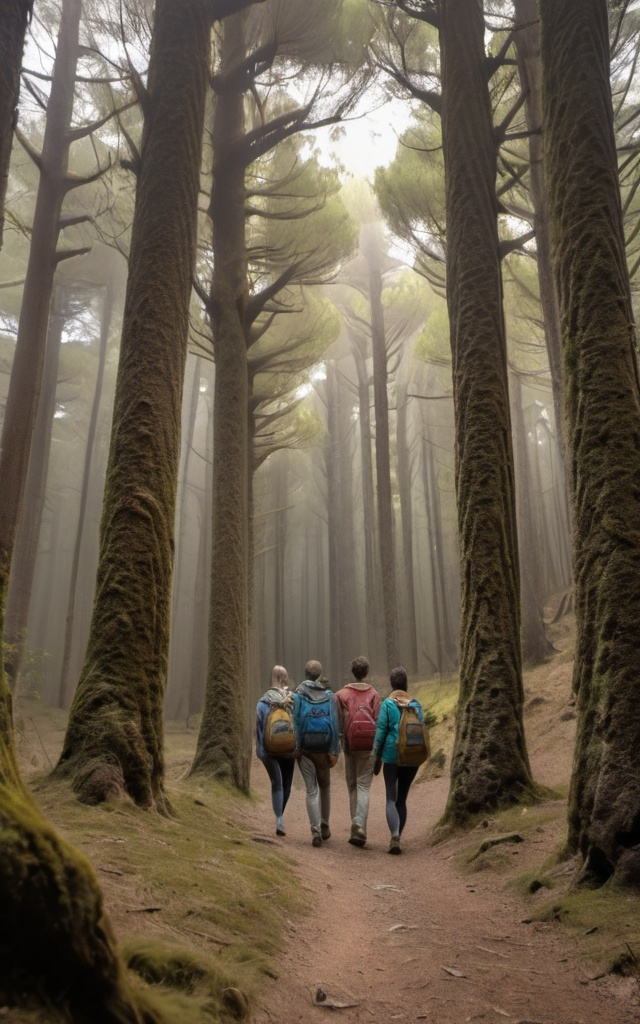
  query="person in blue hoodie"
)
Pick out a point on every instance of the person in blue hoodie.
point(397, 778)
point(315, 720)
point(279, 768)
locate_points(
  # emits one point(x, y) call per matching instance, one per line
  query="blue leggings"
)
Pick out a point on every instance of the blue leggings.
point(280, 771)
point(397, 781)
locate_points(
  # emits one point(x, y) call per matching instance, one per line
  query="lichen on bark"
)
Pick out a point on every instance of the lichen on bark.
point(602, 409)
point(114, 739)
point(490, 764)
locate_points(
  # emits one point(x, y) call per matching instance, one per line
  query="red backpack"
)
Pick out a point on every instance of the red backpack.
point(360, 715)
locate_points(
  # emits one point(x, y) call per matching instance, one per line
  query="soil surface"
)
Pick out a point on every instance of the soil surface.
point(412, 938)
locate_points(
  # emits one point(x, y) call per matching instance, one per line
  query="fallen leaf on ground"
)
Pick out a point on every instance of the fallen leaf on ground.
point(453, 972)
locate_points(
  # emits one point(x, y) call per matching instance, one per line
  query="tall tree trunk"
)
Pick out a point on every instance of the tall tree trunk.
point(66, 692)
point(13, 26)
point(222, 751)
point(527, 40)
point(332, 462)
point(26, 549)
point(28, 361)
point(114, 739)
point(383, 457)
point(490, 765)
point(373, 598)
point(406, 518)
point(602, 397)
point(279, 588)
point(535, 646)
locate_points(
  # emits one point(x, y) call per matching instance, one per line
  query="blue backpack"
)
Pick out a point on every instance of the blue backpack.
point(316, 725)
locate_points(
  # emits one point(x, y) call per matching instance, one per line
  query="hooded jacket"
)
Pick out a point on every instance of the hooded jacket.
point(385, 744)
point(345, 696)
point(273, 696)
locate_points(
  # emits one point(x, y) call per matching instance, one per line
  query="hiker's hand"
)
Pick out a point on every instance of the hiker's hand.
point(377, 766)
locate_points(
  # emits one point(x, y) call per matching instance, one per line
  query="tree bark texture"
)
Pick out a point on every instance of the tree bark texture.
point(66, 692)
point(14, 16)
point(383, 458)
point(28, 361)
point(490, 765)
point(114, 736)
point(222, 751)
point(527, 40)
point(603, 418)
point(406, 519)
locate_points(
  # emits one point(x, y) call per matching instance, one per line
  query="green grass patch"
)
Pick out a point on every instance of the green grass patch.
point(439, 696)
point(198, 903)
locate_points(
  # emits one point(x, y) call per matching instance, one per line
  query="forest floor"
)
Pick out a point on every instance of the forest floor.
point(445, 934)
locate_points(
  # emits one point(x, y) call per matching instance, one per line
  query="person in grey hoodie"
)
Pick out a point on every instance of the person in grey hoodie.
point(315, 720)
point(358, 708)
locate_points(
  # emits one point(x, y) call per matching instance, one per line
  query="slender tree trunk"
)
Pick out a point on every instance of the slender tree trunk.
point(383, 457)
point(527, 40)
point(221, 751)
point(14, 16)
point(337, 610)
point(26, 549)
point(602, 399)
point(406, 518)
point(28, 361)
point(279, 590)
point(490, 765)
point(114, 738)
point(66, 692)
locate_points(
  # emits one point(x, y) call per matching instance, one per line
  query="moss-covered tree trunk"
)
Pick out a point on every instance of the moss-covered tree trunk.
point(602, 405)
point(490, 764)
point(13, 26)
point(114, 737)
point(223, 751)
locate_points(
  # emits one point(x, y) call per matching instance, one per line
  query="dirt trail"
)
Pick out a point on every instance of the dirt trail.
point(410, 938)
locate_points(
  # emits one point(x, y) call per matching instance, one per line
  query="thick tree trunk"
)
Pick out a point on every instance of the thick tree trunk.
point(26, 548)
point(13, 26)
point(66, 692)
point(383, 456)
point(222, 751)
point(603, 418)
point(114, 737)
point(490, 766)
point(28, 362)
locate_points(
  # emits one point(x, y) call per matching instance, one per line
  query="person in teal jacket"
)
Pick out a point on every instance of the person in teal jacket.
point(397, 778)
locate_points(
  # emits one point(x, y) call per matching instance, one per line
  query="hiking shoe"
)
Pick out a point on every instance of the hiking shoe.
point(358, 836)
point(325, 831)
point(280, 831)
point(394, 845)
point(317, 840)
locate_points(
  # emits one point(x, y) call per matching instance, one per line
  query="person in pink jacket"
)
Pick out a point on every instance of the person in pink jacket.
point(358, 707)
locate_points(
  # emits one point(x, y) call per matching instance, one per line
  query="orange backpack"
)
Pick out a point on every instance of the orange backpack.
point(413, 737)
point(279, 734)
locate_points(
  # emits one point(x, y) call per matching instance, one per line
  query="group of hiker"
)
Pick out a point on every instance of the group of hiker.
point(309, 725)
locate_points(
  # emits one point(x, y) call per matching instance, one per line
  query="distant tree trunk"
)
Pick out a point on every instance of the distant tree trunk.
point(383, 457)
point(14, 16)
point(279, 590)
point(66, 693)
point(490, 765)
point(338, 610)
point(406, 518)
point(527, 40)
point(602, 397)
point(373, 601)
point(24, 558)
point(28, 361)
point(114, 738)
point(535, 646)
point(221, 751)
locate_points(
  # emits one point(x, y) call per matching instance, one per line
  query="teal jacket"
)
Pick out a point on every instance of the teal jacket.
point(385, 744)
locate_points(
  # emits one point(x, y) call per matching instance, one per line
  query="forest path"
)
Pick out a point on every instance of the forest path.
point(383, 930)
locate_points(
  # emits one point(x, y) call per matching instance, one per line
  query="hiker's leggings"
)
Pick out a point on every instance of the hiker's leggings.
point(397, 782)
point(280, 771)
point(317, 782)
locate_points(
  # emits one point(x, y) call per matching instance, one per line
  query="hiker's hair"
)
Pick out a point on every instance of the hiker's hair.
point(313, 670)
point(398, 678)
point(279, 676)
point(360, 667)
